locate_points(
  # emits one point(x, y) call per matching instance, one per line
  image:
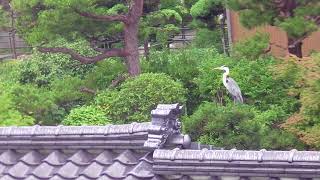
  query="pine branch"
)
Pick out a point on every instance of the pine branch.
point(84, 59)
point(106, 18)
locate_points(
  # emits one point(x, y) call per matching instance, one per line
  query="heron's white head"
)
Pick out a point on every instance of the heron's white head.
point(224, 68)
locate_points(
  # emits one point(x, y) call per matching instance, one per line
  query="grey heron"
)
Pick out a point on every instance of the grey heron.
point(231, 85)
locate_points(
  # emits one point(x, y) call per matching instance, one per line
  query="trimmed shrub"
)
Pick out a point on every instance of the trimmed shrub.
point(86, 115)
point(138, 96)
point(42, 68)
point(236, 126)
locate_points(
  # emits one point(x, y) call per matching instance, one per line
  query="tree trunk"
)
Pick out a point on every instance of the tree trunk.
point(131, 27)
point(132, 48)
point(295, 47)
point(13, 34)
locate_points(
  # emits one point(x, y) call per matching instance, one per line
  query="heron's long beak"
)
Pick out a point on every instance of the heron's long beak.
point(218, 68)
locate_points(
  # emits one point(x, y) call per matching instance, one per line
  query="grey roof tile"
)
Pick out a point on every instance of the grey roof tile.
point(44, 170)
point(9, 157)
point(56, 158)
point(81, 158)
point(32, 158)
point(93, 170)
point(117, 170)
point(105, 157)
point(19, 170)
point(142, 170)
point(127, 158)
point(69, 170)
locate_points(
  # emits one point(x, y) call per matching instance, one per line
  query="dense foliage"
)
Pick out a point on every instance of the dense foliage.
point(86, 115)
point(305, 122)
point(236, 126)
point(136, 98)
point(282, 105)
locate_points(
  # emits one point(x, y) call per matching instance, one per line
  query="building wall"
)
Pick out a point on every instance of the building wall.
point(5, 41)
point(278, 38)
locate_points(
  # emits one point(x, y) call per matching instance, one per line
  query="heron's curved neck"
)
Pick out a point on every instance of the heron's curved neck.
point(226, 73)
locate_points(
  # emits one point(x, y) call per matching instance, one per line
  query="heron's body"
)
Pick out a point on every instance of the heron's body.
point(231, 85)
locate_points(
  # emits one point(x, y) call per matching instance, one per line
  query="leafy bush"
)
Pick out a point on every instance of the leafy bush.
point(37, 103)
point(305, 122)
point(251, 48)
point(67, 89)
point(255, 78)
point(9, 71)
point(227, 127)
point(42, 68)
point(86, 115)
point(103, 73)
point(206, 38)
point(236, 126)
point(137, 97)
point(9, 115)
point(182, 66)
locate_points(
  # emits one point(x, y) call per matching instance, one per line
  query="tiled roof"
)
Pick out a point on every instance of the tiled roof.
point(90, 152)
point(138, 151)
point(122, 152)
point(130, 136)
point(244, 163)
point(76, 164)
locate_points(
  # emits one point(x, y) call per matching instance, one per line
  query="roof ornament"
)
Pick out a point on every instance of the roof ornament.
point(166, 116)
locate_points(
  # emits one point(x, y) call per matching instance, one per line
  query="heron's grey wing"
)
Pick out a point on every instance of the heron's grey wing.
point(234, 89)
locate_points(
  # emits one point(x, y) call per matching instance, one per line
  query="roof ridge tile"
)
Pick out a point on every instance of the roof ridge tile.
point(37, 130)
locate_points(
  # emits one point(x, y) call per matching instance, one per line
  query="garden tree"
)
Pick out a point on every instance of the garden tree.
point(305, 122)
point(136, 97)
point(298, 18)
point(41, 21)
point(161, 20)
point(207, 11)
point(209, 19)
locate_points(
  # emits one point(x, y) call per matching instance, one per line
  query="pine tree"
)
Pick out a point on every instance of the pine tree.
point(123, 21)
point(298, 18)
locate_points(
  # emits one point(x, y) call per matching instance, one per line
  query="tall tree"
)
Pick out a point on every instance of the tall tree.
point(207, 11)
point(298, 18)
point(41, 21)
point(117, 22)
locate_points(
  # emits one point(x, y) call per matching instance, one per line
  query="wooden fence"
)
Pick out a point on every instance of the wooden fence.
point(11, 45)
point(278, 38)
